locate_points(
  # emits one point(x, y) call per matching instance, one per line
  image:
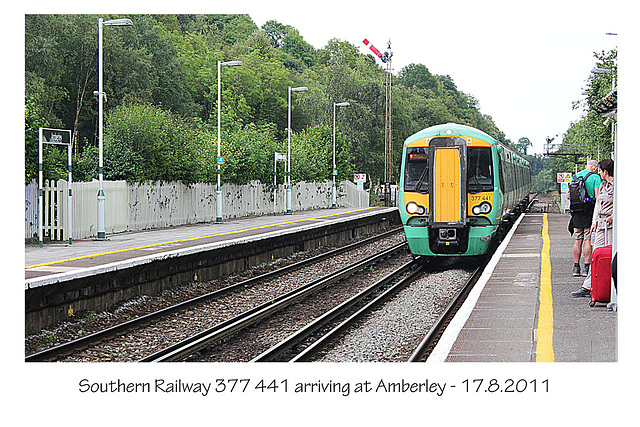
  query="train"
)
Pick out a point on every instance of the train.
point(460, 190)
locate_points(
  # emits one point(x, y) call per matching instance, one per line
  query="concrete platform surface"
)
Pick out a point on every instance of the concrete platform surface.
point(60, 258)
point(512, 319)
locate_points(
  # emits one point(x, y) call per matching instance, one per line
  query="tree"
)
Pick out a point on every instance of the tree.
point(145, 143)
point(522, 145)
point(419, 76)
point(590, 135)
point(33, 120)
point(312, 155)
point(249, 152)
point(275, 31)
point(161, 84)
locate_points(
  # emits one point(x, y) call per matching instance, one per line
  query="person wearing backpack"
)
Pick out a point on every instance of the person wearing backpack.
point(602, 227)
point(583, 192)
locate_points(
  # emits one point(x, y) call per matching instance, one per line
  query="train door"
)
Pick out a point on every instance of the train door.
point(448, 204)
point(446, 183)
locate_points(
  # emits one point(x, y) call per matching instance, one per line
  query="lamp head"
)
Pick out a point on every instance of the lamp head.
point(122, 22)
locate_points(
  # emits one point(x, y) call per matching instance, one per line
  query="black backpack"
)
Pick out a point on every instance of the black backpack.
point(578, 196)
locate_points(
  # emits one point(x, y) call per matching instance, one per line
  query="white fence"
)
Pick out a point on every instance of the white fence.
point(130, 207)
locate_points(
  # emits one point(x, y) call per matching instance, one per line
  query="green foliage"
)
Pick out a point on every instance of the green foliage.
point(161, 82)
point(145, 143)
point(32, 121)
point(590, 135)
point(312, 155)
point(522, 145)
point(249, 153)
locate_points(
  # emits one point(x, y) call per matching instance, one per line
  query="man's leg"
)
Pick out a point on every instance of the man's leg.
point(577, 249)
point(587, 249)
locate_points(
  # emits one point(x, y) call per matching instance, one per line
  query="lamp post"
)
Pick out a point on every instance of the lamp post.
point(288, 173)
point(220, 159)
point(123, 22)
point(335, 169)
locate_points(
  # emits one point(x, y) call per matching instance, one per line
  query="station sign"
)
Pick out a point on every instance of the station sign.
point(56, 136)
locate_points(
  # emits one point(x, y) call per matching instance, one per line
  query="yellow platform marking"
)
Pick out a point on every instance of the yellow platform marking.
point(188, 239)
point(544, 348)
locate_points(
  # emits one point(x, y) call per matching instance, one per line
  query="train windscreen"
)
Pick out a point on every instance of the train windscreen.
point(479, 170)
point(416, 171)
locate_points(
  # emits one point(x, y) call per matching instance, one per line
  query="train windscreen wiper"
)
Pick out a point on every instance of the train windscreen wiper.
point(421, 181)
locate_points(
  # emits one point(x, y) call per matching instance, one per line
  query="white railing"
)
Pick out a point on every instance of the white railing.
point(132, 207)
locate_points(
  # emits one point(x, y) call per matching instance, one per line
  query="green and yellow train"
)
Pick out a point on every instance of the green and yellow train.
point(459, 190)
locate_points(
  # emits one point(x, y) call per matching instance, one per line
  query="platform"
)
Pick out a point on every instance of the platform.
point(522, 310)
point(61, 259)
point(62, 280)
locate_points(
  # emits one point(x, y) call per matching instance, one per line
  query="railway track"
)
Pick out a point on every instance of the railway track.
point(392, 327)
point(430, 340)
point(404, 276)
point(218, 339)
point(260, 333)
point(315, 332)
point(59, 351)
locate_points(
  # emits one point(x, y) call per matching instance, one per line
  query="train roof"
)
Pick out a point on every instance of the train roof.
point(454, 130)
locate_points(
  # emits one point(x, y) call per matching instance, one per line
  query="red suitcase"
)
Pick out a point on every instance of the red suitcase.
point(600, 275)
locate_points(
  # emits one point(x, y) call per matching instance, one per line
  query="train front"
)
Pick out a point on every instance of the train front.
point(449, 193)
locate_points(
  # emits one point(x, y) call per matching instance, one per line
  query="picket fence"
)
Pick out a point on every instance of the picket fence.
point(131, 207)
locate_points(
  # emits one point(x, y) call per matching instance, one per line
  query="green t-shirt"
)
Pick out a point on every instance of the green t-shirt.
point(592, 182)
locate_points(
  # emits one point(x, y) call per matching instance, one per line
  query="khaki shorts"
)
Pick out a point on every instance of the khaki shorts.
point(582, 233)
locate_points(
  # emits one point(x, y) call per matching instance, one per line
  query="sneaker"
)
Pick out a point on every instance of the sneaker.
point(581, 293)
point(585, 273)
point(576, 271)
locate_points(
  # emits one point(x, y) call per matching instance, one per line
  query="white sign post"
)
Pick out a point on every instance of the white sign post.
point(564, 178)
point(57, 137)
point(360, 179)
point(278, 157)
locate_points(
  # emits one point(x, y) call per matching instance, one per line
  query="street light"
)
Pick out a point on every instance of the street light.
point(122, 22)
point(220, 159)
point(335, 169)
point(288, 173)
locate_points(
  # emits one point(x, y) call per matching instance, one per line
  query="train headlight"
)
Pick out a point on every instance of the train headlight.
point(482, 209)
point(415, 209)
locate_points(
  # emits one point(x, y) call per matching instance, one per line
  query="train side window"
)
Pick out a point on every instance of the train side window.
point(501, 170)
point(416, 171)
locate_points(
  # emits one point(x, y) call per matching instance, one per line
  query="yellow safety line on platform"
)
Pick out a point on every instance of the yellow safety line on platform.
point(189, 239)
point(544, 349)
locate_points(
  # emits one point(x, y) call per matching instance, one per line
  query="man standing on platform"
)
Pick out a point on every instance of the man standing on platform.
point(581, 218)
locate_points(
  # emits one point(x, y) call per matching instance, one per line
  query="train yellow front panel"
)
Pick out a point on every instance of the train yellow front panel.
point(446, 185)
